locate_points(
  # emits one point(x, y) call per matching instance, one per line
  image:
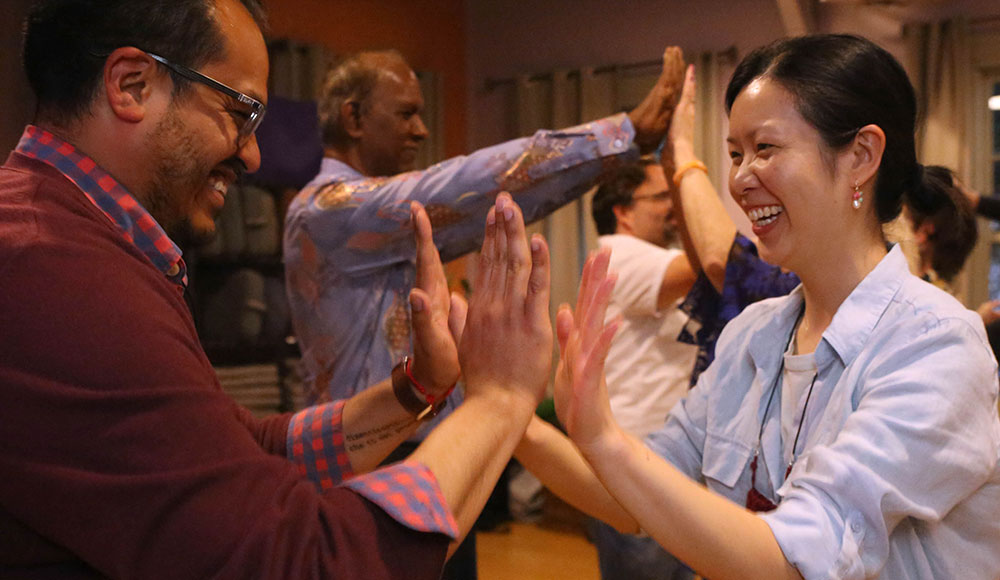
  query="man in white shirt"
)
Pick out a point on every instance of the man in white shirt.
point(647, 369)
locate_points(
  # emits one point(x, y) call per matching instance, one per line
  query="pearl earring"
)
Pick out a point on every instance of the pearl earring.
point(858, 198)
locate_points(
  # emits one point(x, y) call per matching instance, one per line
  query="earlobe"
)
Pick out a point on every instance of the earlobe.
point(128, 83)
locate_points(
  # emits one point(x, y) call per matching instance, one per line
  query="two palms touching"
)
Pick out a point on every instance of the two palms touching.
point(438, 318)
point(503, 337)
point(509, 313)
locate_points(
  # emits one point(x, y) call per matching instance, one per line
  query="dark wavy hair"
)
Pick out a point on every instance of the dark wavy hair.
point(617, 190)
point(949, 211)
point(67, 41)
point(841, 83)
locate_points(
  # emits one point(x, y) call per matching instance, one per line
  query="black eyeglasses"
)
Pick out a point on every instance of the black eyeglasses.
point(661, 196)
point(257, 108)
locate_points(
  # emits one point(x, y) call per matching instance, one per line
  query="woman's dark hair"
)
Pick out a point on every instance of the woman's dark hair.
point(67, 41)
point(617, 190)
point(954, 222)
point(842, 83)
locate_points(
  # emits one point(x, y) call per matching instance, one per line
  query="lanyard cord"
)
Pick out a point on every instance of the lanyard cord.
point(774, 387)
point(802, 420)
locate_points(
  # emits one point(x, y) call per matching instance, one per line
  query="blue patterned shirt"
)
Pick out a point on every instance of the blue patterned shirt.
point(349, 249)
point(748, 279)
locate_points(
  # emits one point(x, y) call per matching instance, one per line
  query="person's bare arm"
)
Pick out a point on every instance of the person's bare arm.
point(677, 280)
point(706, 228)
point(556, 462)
point(505, 354)
point(970, 194)
point(713, 535)
point(988, 311)
point(553, 458)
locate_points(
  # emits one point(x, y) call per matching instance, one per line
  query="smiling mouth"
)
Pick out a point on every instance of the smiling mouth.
point(764, 215)
point(221, 178)
point(218, 184)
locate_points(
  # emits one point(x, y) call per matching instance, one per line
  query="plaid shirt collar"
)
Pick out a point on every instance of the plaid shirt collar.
point(109, 196)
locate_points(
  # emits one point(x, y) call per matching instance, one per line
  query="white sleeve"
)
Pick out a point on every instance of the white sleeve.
point(641, 267)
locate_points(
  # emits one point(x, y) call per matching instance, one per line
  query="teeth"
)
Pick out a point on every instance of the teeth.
point(761, 216)
point(219, 185)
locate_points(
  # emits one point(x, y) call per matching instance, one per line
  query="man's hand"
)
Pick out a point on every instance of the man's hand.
point(437, 318)
point(652, 117)
point(507, 343)
point(969, 193)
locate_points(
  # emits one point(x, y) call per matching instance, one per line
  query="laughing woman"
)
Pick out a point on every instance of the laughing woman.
point(848, 430)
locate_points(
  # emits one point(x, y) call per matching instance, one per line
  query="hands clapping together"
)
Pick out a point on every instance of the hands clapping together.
point(503, 343)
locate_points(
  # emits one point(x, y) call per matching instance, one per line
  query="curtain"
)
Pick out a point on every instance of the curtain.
point(563, 98)
point(941, 69)
point(712, 72)
point(939, 62)
point(297, 69)
point(558, 101)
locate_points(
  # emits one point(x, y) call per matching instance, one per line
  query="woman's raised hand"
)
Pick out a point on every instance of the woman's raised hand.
point(581, 395)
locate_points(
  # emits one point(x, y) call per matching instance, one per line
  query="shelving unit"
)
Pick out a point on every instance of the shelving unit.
point(240, 307)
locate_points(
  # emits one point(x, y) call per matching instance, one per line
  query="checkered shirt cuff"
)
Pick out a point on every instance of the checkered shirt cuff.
point(409, 493)
point(315, 444)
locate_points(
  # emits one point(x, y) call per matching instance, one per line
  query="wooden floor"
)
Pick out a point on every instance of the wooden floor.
point(525, 551)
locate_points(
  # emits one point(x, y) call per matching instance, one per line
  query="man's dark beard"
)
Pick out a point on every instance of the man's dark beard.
point(180, 170)
point(672, 238)
point(187, 237)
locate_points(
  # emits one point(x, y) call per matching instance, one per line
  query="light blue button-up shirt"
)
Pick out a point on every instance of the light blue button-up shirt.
point(896, 473)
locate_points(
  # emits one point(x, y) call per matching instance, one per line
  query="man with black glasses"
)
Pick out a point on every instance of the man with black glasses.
point(120, 454)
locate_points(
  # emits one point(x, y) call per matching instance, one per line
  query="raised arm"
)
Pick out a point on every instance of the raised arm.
point(556, 462)
point(505, 355)
point(359, 223)
point(677, 280)
point(706, 228)
point(711, 534)
point(985, 206)
point(651, 118)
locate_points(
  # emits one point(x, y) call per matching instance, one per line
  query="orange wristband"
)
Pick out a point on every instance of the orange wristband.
point(679, 174)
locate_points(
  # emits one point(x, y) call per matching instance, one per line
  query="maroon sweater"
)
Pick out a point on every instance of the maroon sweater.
point(120, 456)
